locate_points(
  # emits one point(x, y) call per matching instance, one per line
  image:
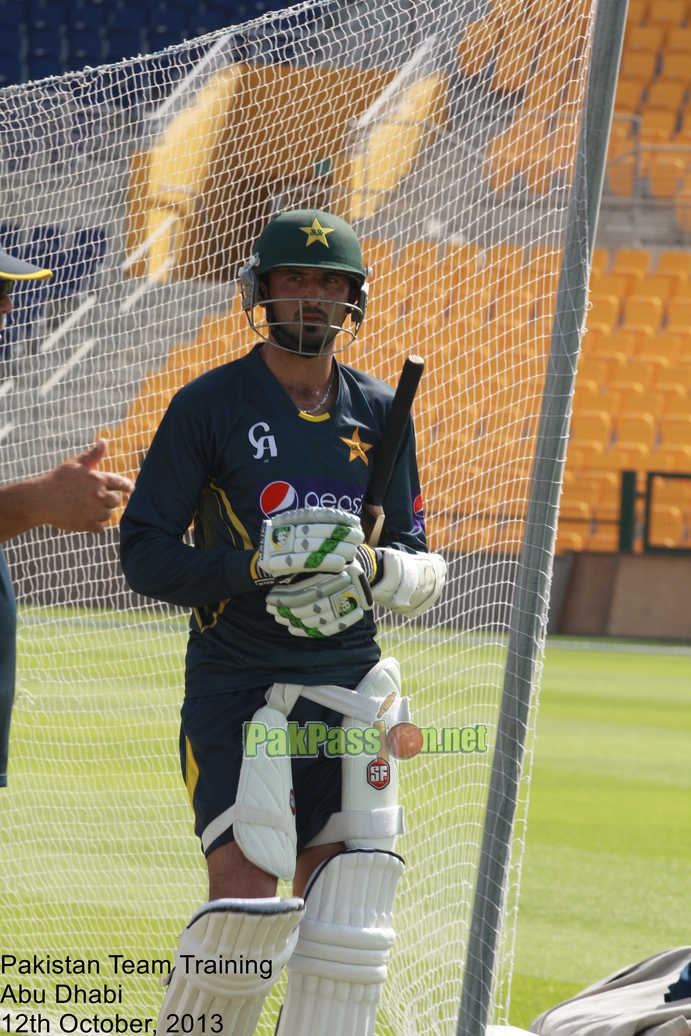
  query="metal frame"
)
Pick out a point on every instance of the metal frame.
point(647, 547)
point(528, 616)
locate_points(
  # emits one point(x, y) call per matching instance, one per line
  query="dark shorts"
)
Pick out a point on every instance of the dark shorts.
point(211, 757)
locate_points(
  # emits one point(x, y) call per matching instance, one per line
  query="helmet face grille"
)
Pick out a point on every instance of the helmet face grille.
point(293, 336)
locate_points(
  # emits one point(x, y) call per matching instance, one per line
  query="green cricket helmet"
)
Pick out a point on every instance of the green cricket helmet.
point(305, 238)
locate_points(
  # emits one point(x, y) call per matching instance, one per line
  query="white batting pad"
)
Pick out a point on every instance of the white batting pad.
point(264, 824)
point(230, 955)
point(336, 973)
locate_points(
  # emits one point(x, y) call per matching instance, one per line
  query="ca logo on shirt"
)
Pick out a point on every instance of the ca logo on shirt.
point(262, 443)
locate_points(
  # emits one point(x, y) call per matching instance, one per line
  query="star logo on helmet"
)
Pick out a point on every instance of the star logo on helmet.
point(317, 233)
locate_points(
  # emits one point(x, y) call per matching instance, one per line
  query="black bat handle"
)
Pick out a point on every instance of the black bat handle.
point(393, 432)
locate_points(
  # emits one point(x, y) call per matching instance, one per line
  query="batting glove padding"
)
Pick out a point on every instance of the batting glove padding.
point(323, 604)
point(411, 583)
point(313, 539)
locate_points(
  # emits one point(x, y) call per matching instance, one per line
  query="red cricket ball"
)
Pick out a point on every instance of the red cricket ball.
point(404, 740)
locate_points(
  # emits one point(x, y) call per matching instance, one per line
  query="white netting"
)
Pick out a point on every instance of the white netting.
point(447, 134)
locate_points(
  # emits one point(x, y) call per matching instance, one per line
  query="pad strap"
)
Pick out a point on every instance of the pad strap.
point(361, 823)
point(250, 815)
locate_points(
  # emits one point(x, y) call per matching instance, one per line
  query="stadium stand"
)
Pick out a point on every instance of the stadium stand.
point(487, 306)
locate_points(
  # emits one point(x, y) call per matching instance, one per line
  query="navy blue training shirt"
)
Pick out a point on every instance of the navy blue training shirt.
point(232, 450)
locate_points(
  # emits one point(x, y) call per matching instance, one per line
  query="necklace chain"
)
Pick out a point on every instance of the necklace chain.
point(324, 398)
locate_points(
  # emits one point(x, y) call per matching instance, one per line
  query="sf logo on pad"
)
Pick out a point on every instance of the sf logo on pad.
point(378, 773)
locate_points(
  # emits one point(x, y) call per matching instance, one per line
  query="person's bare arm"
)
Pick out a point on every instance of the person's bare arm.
point(72, 497)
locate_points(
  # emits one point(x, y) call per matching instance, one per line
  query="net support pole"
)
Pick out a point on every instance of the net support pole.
point(529, 609)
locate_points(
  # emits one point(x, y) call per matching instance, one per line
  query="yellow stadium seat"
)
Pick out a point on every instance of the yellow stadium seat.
point(621, 175)
point(377, 252)
point(671, 457)
point(591, 426)
point(632, 261)
point(674, 262)
point(629, 456)
point(671, 491)
point(600, 260)
point(676, 67)
point(676, 374)
point(592, 370)
point(584, 454)
point(666, 526)
point(679, 312)
point(517, 48)
point(657, 125)
point(618, 342)
point(676, 428)
point(677, 402)
point(637, 65)
point(667, 12)
point(663, 345)
point(638, 427)
point(609, 284)
point(643, 309)
point(636, 12)
point(678, 41)
point(664, 95)
point(629, 95)
point(646, 38)
point(665, 175)
point(656, 286)
point(604, 309)
point(478, 44)
point(640, 372)
point(642, 403)
point(574, 510)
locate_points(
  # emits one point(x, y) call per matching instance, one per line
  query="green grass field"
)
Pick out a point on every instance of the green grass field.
point(608, 857)
point(607, 865)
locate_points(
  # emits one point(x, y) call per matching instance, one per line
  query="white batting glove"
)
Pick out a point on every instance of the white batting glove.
point(410, 583)
point(313, 539)
point(323, 604)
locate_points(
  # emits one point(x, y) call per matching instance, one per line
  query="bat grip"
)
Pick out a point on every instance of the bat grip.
point(372, 519)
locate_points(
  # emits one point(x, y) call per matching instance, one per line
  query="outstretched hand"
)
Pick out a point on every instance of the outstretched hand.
point(76, 498)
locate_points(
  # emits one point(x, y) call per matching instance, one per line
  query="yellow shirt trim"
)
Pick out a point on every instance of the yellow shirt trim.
point(313, 417)
point(210, 625)
point(191, 770)
point(235, 521)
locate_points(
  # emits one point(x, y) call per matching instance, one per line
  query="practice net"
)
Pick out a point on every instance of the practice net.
point(446, 133)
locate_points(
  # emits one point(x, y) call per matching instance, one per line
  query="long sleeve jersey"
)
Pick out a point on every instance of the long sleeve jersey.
point(232, 450)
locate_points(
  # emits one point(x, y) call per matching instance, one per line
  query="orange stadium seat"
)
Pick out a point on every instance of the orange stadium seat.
point(642, 309)
point(632, 261)
point(679, 312)
point(609, 284)
point(676, 67)
point(637, 65)
point(672, 457)
point(667, 12)
point(638, 428)
point(479, 43)
point(629, 95)
point(591, 426)
point(622, 342)
point(677, 402)
point(676, 428)
point(604, 309)
point(674, 262)
point(663, 345)
point(642, 403)
point(657, 125)
point(636, 12)
point(665, 175)
point(517, 49)
point(665, 96)
point(655, 286)
point(600, 260)
point(666, 528)
point(377, 253)
point(647, 38)
point(678, 41)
